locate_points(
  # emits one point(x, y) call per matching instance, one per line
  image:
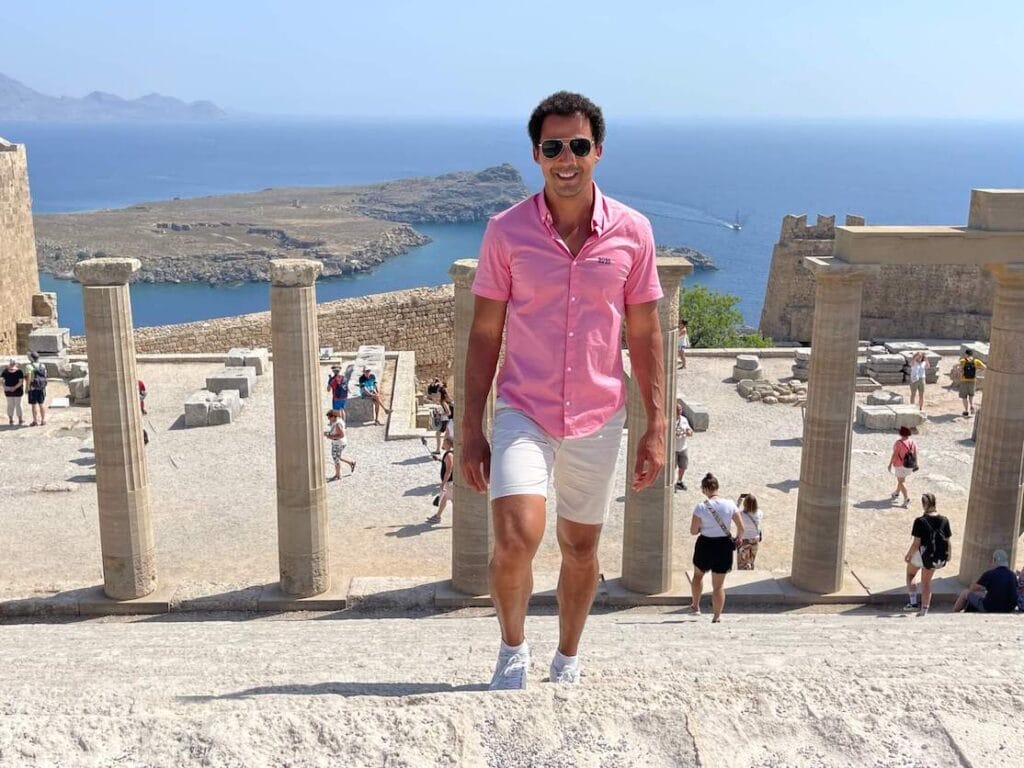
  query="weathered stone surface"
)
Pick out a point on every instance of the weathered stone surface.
point(698, 415)
point(78, 391)
point(746, 373)
point(745, 387)
point(801, 374)
point(769, 399)
point(78, 369)
point(866, 384)
point(884, 398)
point(907, 416)
point(45, 305)
point(225, 408)
point(748, 362)
point(886, 362)
point(886, 378)
point(896, 347)
point(235, 358)
point(19, 280)
point(242, 379)
point(55, 364)
point(879, 417)
point(49, 340)
point(294, 273)
point(802, 355)
point(106, 271)
point(258, 358)
point(979, 348)
point(197, 408)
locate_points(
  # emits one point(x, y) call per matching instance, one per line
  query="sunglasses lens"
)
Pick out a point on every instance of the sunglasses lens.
point(551, 148)
point(580, 147)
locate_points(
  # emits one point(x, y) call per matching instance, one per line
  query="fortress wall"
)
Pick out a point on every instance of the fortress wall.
point(19, 278)
point(420, 320)
point(947, 302)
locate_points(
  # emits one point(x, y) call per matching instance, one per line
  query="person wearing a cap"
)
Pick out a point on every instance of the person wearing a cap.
point(14, 389)
point(368, 388)
point(337, 385)
point(995, 591)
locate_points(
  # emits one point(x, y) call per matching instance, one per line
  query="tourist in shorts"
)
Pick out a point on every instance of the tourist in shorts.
point(368, 388)
point(712, 523)
point(339, 442)
point(683, 431)
point(930, 549)
point(337, 385)
point(969, 366)
point(558, 273)
point(898, 464)
point(918, 372)
point(14, 389)
point(684, 343)
point(995, 591)
point(37, 381)
point(747, 545)
point(447, 489)
point(444, 415)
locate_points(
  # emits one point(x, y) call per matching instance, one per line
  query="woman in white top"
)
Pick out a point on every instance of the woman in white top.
point(918, 369)
point(746, 546)
point(713, 520)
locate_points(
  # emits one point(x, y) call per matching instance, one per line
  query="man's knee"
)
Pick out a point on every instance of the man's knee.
point(518, 527)
point(578, 542)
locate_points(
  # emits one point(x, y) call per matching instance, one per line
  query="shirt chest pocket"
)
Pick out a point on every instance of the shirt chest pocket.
point(604, 276)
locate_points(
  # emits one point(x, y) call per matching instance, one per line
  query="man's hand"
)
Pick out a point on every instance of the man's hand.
point(475, 459)
point(650, 457)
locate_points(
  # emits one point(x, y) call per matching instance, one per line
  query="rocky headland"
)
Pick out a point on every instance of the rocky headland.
point(695, 257)
point(232, 238)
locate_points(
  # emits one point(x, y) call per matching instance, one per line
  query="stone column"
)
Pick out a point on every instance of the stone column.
point(647, 525)
point(994, 508)
point(298, 436)
point(472, 534)
point(820, 537)
point(122, 480)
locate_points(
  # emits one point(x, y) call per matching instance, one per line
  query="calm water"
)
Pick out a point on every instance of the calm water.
point(689, 178)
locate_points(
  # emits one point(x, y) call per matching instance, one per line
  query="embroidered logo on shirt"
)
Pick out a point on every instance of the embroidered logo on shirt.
point(603, 260)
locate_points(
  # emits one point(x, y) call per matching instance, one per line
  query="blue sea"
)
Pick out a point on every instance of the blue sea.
point(691, 178)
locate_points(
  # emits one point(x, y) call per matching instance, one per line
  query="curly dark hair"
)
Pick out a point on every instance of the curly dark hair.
point(565, 103)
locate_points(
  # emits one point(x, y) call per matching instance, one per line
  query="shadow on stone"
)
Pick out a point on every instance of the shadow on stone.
point(179, 423)
point(789, 442)
point(784, 485)
point(422, 490)
point(85, 461)
point(82, 479)
point(388, 690)
point(413, 460)
point(413, 529)
point(876, 504)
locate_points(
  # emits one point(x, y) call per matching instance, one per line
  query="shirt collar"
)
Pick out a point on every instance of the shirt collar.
point(598, 219)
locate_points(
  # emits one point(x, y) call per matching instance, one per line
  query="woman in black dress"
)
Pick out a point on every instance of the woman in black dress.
point(930, 549)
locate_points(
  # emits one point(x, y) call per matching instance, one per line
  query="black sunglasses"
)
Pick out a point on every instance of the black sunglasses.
point(552, 148)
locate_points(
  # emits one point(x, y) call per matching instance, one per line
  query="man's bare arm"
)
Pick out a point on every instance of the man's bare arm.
point(481, 362)
point(643, 337)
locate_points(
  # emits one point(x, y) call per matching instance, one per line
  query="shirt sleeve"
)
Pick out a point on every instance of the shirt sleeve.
point(946, 530)
point(642, 281)
point(986, 580)
point(494, 271)
point(919, 530)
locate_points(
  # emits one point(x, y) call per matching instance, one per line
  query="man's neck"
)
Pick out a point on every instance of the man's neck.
point(571, 211)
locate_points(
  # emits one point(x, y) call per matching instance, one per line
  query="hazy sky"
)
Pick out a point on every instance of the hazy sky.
point(874, 58)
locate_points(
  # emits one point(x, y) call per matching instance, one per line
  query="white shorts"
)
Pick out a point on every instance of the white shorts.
point(902, 473)
point(524, 457)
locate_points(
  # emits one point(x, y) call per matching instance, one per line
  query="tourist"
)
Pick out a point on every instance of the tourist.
point(713, 519)
point(142, 396)
point(930, 549)
point(434, 389)
point(747, 545)
point(442, 415)
point(903, 463)
point(683, 431)
point(14, 389)
point(444, 494)
point(561, 395)
point(994, 592)
point(918, 371)
point(368, 388)
point(339, 442)
point(337, 385)
point(37, 389)
point(684, 343)
point(969, 366)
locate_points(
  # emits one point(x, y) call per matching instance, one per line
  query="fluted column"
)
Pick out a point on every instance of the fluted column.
point(298, 437)
point(122, 480)
point(472, 534)
point(647, 525)
point(820, 537)
point(994, 508)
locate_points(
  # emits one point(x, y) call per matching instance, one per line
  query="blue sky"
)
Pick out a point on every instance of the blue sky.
point(874, 59)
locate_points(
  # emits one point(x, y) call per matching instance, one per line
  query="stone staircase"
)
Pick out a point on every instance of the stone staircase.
point(660, 688)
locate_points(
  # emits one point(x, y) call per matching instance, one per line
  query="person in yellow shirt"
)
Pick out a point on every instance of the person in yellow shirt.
point(969, 367)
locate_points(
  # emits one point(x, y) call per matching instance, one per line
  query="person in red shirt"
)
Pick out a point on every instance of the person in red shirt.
point(557, 274)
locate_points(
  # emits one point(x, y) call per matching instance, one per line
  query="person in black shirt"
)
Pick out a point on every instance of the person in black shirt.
point(994, 592)
point(930, 549)
point(14, 389)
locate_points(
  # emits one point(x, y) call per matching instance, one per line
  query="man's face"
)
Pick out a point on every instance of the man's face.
point(567, 176)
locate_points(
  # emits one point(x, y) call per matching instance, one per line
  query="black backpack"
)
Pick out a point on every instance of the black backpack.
point(970, 369)
point(38, 378)
point(938, 547)
point(910, 459)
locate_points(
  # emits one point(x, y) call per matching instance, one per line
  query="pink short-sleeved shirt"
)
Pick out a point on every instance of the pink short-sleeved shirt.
point(563, 359)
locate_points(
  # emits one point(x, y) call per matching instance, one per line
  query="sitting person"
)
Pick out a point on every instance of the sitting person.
point(368, 388)
point(995, 591)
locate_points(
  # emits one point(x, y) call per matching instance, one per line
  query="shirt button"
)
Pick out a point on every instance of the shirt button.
point(574, 298)
point(569, 369)
point(571, 334)
point(568, 402)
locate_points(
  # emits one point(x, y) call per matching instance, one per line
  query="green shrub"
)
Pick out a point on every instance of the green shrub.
point(714, 321)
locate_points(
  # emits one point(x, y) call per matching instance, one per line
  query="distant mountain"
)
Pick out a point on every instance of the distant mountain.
point(19, 102)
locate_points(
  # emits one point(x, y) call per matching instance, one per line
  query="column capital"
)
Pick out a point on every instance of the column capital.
point(831, 269)
point(672, 269)
point(106, 271)
point(294, 273)
point(1010, 274)
point(462, 272)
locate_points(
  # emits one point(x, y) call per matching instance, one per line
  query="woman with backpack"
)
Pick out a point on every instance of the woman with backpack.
point(37, 389)
point(746, 546)
point(929, 550)
point(903, 463)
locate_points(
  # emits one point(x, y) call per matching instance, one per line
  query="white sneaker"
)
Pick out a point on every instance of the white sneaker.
point(510, 672)
point(568, 675)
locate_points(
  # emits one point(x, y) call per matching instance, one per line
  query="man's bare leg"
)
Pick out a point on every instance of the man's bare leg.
point(577, 580)
point(518, 530)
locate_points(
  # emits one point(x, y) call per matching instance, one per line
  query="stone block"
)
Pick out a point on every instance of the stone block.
point(907, 416)
point(977, 421)
point(55, 364)
point(801, 374)
point(748, 362)
point(49, 341)
point(877, 349)
point(197, 408)
point(745, 387)
point(78, 391)
point(866, 384)
point(880, 417)
point(698, 416)
point(235, 358)
point(802, 355)
point(980, 349)
point(78, 369)
point(745, 373)
point(886, 378)
point(225, 408)
point(241, 379)
point(45, 305)
point(897, 347)
point(886, 362)
point(884, 397)
point(258, 358)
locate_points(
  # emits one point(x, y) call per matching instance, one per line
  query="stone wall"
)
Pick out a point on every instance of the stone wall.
point(19, 278)
point(940, 302)
point(419, 320)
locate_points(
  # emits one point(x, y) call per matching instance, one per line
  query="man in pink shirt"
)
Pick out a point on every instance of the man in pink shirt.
point(558, 273)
